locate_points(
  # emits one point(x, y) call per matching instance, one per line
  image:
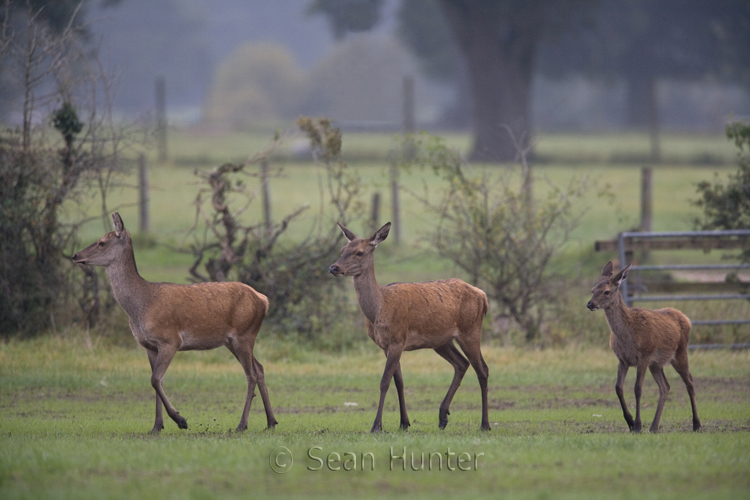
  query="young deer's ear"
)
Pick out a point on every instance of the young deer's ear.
point(348, 234)
point(607, 271)
point(380, 235)
point(119, 226)
point(617, 280)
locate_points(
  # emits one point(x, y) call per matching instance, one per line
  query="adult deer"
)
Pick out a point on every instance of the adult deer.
point(166, 318)
point(408, 316)
point(645, 339)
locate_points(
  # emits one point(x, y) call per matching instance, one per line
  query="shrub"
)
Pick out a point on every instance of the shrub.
point(502, 238)
point(727, 206)
point(305, 302)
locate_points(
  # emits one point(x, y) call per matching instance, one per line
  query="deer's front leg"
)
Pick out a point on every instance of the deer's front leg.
point(163, 358)
point(640, 375)
point(391, 365)
point(622, 371)
point(399, 382)
point(159, 420)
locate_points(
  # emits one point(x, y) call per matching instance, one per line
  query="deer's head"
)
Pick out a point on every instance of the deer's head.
point(606, 291)
point(108, 248)
point(356, 256)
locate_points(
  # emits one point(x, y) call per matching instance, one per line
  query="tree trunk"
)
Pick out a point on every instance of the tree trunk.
point(499, 49)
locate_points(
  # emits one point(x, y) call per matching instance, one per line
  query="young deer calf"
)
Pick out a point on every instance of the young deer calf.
point(408, 316)
point(645, 339)
point(166, 318)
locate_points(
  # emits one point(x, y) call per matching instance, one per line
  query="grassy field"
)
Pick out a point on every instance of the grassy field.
point(75, 407)
point(73, 422)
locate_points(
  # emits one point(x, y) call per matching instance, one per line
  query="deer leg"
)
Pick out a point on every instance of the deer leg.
point(391, 365)
point(661, 380)
point(398, 381)
point(460, 365)
point(622, 371)
point(640, 375)
point(260, 377)
point(245, 357)
point(680, 363)
point(164, 356)
point(159, 420)
point(474, 353)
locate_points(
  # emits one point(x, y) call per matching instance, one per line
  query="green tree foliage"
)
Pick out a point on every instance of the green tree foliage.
point(256, 82)
point(501, 237)
point(727, 205)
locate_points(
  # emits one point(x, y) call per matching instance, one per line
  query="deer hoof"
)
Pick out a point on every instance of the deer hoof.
point(486, 427)
point(376, 427)
point(181, 422)
point(404, 426)
point(442, 424)
point(696, 425)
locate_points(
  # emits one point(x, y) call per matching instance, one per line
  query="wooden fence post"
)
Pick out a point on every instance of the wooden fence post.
point(161, 118)
point(143, 193)
point(265, 194)
point(647, 194)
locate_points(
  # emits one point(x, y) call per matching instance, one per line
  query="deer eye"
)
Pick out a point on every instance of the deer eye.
point(100, 244)
point(606, 292)
point(360, 253)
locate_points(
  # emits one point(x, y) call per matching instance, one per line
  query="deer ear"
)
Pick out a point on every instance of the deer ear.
point(349, 235)
point(620, 277)
point(607, 271)
point(119, 226)
point(380, 235)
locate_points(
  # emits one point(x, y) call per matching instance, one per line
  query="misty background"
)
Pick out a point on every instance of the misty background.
point(231, 63)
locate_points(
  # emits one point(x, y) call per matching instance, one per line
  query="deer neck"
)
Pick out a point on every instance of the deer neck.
point(618, 317)
point(131, 291)
point(369, 294)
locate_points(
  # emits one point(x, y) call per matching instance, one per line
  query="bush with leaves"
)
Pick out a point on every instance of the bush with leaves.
point(497, 234)
point(304, 299)
point(727, 206)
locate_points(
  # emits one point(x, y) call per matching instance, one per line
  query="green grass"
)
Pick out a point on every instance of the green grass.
point(73, 424)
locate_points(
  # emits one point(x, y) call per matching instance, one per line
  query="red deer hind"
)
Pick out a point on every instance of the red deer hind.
point(408, 316)
point(645, 339)
point(166, 318)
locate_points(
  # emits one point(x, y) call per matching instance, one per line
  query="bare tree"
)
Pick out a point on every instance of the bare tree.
point(43, 175)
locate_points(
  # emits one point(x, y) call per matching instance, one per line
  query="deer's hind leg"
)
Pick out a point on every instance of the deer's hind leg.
point(244, 355)
point(471, 348)
point(680, 364)
point(260, 378)
point(450, 353)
